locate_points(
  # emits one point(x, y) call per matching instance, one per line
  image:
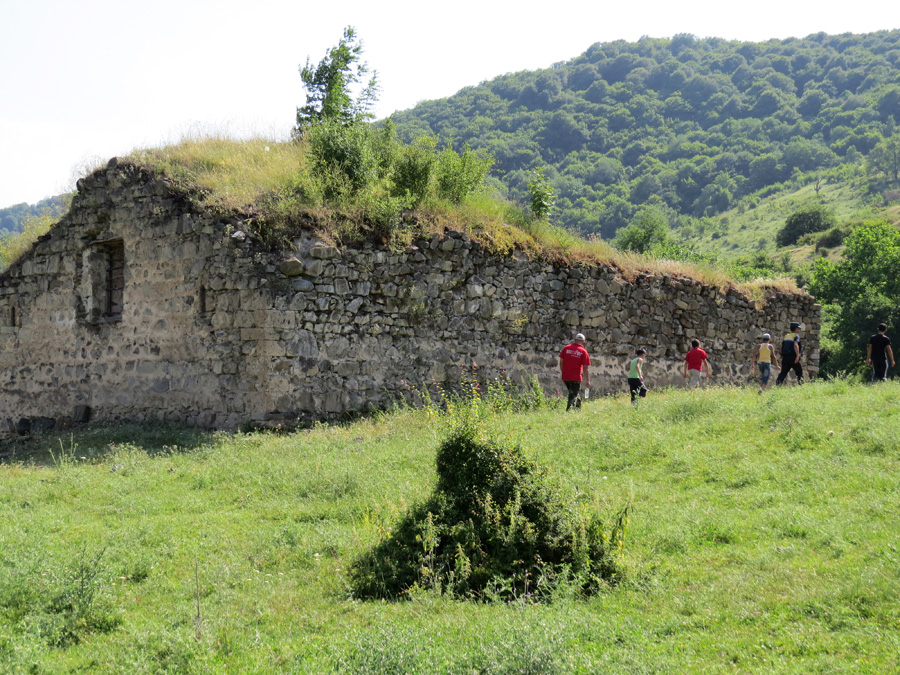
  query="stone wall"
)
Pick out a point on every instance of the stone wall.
point(214, 330)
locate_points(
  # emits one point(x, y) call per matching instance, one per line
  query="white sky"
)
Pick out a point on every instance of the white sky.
point(84, 80)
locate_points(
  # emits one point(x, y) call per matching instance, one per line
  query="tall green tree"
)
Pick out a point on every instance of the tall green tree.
point(885, 158)
point(330, 86)
point(648, 228)
point(542, 195)
point(859, 292)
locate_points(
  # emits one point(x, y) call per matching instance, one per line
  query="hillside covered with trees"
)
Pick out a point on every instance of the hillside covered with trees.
point(692, 127)
point(13, 217)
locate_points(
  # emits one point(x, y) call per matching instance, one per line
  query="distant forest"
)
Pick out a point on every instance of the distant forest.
point(690, 126)
point(12, 216)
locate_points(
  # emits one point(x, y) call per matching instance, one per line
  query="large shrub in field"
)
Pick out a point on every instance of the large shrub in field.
point(806, 219)
point(495, 527)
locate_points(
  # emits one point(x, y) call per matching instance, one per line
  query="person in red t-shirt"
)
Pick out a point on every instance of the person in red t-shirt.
point(573, 360)
point(694, 363)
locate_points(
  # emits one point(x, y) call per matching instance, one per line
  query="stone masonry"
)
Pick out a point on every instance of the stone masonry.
point(139, 305)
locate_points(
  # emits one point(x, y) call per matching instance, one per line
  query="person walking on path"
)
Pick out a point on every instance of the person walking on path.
point(791, 349)
point(636, 375)
point(573, 361)
point(694, 363)
point(878, 352)
point(764, 358)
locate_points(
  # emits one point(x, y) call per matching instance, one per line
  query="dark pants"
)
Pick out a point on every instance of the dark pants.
point(574, 387)
point(637, 388)
point(789, 363)
point(879, 369)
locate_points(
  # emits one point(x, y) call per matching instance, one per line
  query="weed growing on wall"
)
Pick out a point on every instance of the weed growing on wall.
point(496, 528)
point(343, 157)
point(344, 185)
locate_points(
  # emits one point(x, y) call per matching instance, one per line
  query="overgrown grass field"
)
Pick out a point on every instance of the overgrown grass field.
point(763, 538)
point(754, 224)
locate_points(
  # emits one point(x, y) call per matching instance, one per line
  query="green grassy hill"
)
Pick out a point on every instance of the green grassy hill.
point(686, 125)
point(763, 539)
point(753, 224)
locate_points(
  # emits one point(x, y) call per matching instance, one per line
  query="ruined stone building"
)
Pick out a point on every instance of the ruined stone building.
point(140, 305)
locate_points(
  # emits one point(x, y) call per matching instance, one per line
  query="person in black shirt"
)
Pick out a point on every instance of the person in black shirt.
point(878, 352)
point(791, 350)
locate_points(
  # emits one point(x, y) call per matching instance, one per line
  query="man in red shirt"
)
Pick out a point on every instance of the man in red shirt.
point(694, 363)
point(573, 360)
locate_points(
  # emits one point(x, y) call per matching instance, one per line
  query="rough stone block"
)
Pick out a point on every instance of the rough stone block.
point(291, 267)
point(314, 268)
point(323, 252)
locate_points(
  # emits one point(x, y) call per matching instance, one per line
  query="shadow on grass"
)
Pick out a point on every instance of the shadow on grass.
point(94, 441)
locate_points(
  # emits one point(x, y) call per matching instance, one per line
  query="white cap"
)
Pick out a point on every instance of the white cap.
point(580, 336)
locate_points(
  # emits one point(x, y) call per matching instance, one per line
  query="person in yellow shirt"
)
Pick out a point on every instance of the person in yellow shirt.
point(764, 358)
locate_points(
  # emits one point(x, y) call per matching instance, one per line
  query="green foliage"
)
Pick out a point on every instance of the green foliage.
point(648, 229)
point(383, 141)
point(14, 245)
point(478, 398)
point(699, 126)
point(413, 170)
point(759, 266)
point(542, 195)
point(12, 217)
point(861, 291)
point(671, 250)
point(343, 158)
point(829, 239)
point(495, 527)
point(356, 164)
point(786, 530)
point(809, 218)
point(420, 172)
point(513, 648)
point(884, 159)
point(346, 158)
point(328, 86)
point(461, 174)
point(64, 608)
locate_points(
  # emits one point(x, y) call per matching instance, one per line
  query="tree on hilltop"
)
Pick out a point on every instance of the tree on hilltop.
point(329, 85)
